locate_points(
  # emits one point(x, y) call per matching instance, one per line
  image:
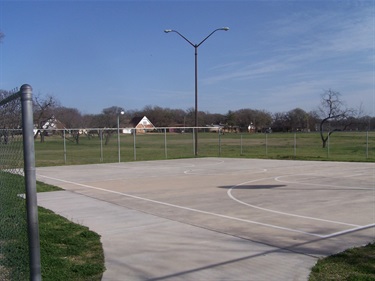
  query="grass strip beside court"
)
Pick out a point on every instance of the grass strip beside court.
point(353, 264)
point(69, 251)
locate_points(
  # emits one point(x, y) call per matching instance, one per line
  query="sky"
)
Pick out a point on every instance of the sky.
point(277, 55)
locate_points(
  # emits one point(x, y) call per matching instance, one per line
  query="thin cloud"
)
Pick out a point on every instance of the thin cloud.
point(328, 36)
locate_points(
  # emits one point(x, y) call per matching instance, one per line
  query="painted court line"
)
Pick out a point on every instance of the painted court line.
point(229, 192)
point(316, 184)
point(210, 213)
point(349, 230)
point(187, 208)
point(196, 172)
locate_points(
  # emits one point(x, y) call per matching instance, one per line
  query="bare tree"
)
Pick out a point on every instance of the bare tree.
point(2, 35)
point(281, 122)
point(108, 119)
point(10, 112)
point(70, 118)
point(43, 111)
point(335, 115)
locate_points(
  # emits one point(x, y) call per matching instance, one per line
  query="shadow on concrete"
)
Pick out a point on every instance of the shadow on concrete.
point(297, 248)
point(260, 186)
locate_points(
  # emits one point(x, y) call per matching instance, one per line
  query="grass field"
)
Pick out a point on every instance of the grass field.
point(343, 146)
point(68, 251)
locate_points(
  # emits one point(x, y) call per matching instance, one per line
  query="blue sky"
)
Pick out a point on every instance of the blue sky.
point(277, 55)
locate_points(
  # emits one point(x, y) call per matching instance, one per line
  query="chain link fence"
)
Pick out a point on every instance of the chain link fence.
point(19, 236)
point(13, 231)
point(88, 146)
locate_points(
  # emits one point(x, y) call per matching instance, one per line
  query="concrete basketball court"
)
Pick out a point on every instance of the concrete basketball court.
point(217, 218)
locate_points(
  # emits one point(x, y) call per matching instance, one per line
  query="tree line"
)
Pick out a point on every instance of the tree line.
point(332, 115)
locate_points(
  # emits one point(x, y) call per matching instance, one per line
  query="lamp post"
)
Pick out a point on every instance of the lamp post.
point(119, 112)
point(196, 77)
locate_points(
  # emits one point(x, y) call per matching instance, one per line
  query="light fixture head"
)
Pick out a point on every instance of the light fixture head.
point(225, 28)
point(167, 30)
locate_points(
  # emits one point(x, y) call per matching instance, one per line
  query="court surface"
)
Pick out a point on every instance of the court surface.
point(217, 218)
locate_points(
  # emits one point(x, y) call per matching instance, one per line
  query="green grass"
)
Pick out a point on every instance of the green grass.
point(68, 251)
point(13, 229)
point(43, 187)
point(357, 264)
point(343, 146)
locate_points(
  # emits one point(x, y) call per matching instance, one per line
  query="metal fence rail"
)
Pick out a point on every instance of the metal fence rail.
point(19, 231)
point(100, 145)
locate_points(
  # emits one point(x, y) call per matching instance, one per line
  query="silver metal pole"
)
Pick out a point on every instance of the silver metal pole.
point(193, 141)
point(241, 146)
point(118, 137)
point(64, 146)
point(134, 144)
point(367, 145)
point(219, 142)
point(196, 101)
point(165, 143)
point(30, 182)
point(101, 145)
point(196, 78)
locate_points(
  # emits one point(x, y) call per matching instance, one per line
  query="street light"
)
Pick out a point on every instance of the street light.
point(196, 77)
point(119, 112)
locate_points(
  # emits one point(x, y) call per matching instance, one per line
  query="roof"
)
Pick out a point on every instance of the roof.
point(141, 121)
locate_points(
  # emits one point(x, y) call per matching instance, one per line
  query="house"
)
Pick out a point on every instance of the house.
point(214, 128)
point(251, 128)
point(141, 124)
point(49, 126)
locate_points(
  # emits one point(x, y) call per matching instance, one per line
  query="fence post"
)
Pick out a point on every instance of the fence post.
point(134, 145)
point(165, 143)
point(219, 142)
point(295, 144)
point(241, 146)
point(194, 142)
point(118, 139)
point(30, 182)
point(366, 144)
point(101, 145)
point(266, 144)
point(64, 140)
